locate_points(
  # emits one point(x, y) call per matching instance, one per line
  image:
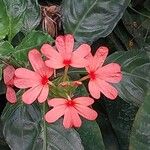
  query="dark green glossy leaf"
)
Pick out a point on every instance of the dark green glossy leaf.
point(32, 15)
point(121, 116)
point(15, 10)
point(90, 20)
point(33, 40)
point(24, 124)
point(4, 20)
point(136, 74)
point(108, 133)
point(3, 144)
point(138, 26)
point(140, 137)
point(91, 136)
point(23, 15)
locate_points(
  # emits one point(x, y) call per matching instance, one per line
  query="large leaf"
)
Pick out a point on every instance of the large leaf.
point(3, 144)
point(4, 20)
point(23, 15)
point(91, 136)
point(108, 133)
point(15, 10)
point(33, 40)
point(89, 20)
point(140, 137)
point(24, 124)
point(32, 15)
point(136, 74)
point(121, 116)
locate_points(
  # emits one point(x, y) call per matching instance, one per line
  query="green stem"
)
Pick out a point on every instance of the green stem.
point(65, 73)
point(44, 128)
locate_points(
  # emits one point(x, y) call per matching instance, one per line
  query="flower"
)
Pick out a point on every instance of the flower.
point(65, 55)
point(101, 76)
point(9, 74)
point(36, 80)
point(71, 109)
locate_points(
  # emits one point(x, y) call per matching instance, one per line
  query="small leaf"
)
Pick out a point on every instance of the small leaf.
point(140, 132)
point(90, 20)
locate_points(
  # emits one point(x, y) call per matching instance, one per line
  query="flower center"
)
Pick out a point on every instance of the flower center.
point(70, 103)
point(92, 75)
point(44, 80)
point(67, 62)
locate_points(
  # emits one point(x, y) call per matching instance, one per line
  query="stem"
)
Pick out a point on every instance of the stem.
point(84, 78)
point(65, 73)
point(44, 128)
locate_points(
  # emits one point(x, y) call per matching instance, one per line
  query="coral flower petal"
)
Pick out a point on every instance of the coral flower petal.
point(44, 93)
point(111, 73)
point(31, 95)
point(11, 95)
point(98, 59)
point(82, 51)
point(94, 89)
point(55, 113)
point(86, 101)
point(100, 56)
point(25, 83)
point(8, 72)
point(76, 121)
point(65, 44)
point(37, 62)
point(27, 74)
point(78, 62)
point(107, 89)
point(57, 101)
point(54, 63)
point(49, 51)
point(67, 122)
point(86, 112)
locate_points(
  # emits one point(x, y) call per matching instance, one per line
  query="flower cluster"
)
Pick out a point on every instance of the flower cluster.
point(39, 81)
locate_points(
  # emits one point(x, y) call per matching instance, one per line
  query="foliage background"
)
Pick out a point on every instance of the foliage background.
point(121, 25)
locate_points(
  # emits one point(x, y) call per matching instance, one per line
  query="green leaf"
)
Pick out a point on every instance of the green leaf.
point(120, 116)
point(3, 144)
point(15, 10)
point(32, 16)
point(24, 15)
point(4, 20)
point(140, 132)
point(108, 133)
point(25, 125)
point(90, 20)
point(6, 49)
point(33, 40)
point(136, 75)
point(91, 136)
